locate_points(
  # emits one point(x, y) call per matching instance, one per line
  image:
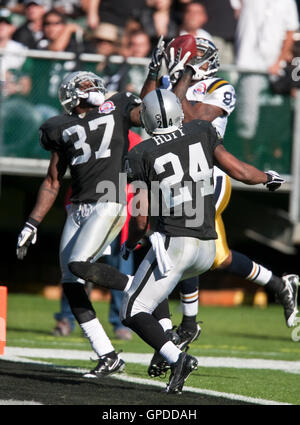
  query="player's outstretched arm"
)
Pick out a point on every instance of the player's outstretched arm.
point(46, 197)
point(244, 172)
point(154, 68)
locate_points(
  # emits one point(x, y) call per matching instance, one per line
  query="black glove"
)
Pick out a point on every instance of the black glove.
point(274, 180)
point(156, 58)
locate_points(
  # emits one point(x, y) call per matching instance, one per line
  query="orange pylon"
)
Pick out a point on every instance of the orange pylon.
point(3, 314)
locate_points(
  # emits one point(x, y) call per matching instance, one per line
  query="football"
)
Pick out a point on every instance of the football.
point(186, 42)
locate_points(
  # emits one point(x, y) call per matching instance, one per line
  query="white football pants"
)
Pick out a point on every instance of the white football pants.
point(189, 256)
point(89, 229)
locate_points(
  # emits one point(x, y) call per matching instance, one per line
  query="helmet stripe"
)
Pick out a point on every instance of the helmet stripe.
point(162, 108)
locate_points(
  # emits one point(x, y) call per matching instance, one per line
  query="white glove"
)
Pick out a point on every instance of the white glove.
point(274, 180)
point(27, 236)
point(201, 73)
point(176, 64)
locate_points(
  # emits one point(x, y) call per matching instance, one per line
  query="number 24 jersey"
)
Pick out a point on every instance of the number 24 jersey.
point(181, 164)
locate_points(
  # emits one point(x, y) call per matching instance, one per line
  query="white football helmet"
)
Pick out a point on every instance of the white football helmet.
point(71, 92)
point(210, 55)
point(161, 112)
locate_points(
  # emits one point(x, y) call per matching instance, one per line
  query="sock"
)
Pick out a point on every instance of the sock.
point(189, 296)
point(242, 266)
point(95, 333)
point(189, 303)
point(166, 324)
point(259, 274)
point(170, 352)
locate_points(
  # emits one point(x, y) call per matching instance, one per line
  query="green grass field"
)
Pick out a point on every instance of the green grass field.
point(241, 332)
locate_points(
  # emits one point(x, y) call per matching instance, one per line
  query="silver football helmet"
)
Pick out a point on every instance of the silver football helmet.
point(161, 112)
point(210, 55)
point(72, 90)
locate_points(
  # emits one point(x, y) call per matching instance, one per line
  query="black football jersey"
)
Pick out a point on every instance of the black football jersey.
point(93, 146)
point(177, 169)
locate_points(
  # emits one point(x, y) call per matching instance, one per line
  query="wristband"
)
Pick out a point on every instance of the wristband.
point(33, 222)
point(152, 75)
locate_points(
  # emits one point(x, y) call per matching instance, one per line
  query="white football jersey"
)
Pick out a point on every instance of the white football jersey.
point(214, 91)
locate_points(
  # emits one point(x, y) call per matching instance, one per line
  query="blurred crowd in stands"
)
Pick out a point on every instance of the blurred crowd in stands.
point(132, 28)
point(257, 35)
point(254, 34)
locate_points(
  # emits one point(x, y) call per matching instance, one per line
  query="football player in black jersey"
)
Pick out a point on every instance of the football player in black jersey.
point(178, 160)
point(90, 138)
point(207, 97)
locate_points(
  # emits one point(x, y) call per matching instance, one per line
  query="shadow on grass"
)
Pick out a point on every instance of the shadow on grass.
point(31, 331)
point(260, 337)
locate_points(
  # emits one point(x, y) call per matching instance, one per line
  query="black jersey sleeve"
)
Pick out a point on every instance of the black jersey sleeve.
point(127, 101)
point(133, 102)
point(49, 137)
point(134, 166)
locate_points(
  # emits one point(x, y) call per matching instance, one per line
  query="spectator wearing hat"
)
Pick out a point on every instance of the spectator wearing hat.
point(105, 42)
point(31, 32)
point(105, 39)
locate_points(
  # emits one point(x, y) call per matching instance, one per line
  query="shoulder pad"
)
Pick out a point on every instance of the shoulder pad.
point(217, 84)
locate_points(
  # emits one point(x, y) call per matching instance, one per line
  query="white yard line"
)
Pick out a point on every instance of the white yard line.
point(21, 354)
point(144, 359)
point(19, 402)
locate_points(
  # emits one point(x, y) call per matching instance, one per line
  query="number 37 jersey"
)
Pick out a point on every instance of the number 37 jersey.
point(177, 169)
point(93, 146)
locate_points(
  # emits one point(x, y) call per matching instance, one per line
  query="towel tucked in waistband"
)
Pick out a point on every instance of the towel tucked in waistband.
point(163, 260)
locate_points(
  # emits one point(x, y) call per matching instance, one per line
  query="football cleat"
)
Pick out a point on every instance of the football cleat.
point(159, 365)
point(187, 336)
point(106, 366)
point(288, 298)
point(180, 372)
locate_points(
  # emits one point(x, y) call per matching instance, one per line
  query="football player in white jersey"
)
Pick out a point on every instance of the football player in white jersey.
point(213, 99)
